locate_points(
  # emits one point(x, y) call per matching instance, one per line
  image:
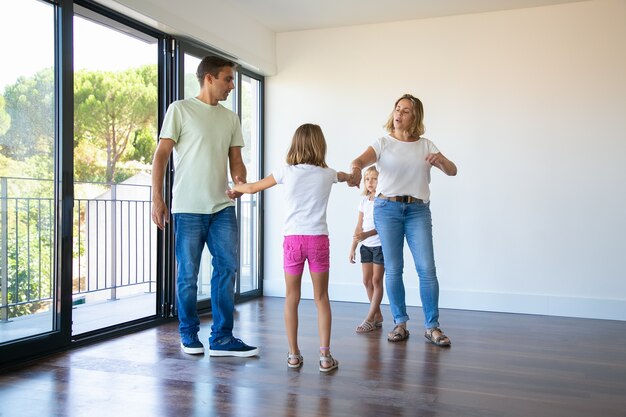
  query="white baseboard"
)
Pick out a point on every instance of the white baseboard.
point(591, 308)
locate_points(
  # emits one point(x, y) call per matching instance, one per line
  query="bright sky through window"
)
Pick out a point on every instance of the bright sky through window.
point(96, 47)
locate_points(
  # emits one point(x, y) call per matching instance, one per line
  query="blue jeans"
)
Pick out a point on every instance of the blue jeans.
point(220, 233)
point(394, 221)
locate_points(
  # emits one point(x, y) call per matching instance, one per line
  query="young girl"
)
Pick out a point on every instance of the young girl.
point(307, 181)
point(372, 262)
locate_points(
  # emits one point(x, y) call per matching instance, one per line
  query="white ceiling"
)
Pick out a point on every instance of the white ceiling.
point(292, 15)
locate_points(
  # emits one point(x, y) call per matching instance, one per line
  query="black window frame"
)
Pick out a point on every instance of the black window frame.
point(16, 352)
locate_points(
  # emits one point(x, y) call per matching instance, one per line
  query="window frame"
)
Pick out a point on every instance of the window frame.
point(169, 88)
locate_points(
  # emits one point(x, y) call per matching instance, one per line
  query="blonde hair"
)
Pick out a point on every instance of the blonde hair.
point(365, 174)
point(308, 146)
point(417, 128)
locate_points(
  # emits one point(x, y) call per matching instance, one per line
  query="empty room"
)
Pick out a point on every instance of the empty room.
point(522, 105)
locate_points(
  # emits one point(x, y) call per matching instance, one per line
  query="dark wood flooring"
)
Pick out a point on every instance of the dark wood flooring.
point(499, 365)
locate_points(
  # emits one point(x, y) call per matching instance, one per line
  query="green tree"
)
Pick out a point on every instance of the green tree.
point(111, 107)
point(143, 147)
point(30, 105)
point(115, 121)
point(5, 119)
point(30, 263)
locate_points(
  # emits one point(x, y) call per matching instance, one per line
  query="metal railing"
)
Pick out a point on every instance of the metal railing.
point(114, 243)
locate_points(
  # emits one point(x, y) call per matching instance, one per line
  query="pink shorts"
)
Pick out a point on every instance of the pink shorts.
point(298, 248)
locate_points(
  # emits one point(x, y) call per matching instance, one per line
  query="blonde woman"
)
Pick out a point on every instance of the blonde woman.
point(372, 260)
point(308, 181)
point(404, 159)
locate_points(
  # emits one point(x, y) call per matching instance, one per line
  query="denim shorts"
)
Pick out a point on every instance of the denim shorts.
point(372, 254)
point(299, 248)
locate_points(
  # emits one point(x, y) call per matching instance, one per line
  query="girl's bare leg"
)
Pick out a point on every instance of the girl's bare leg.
point(368, 272)
point(368, 277)
point(374, 314)
point(324, 315)
point(292, 300)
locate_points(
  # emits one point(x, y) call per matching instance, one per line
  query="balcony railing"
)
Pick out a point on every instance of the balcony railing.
point(114, 243)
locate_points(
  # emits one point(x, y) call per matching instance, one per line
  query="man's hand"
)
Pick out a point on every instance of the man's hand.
point(232, 194)
point(160, 213)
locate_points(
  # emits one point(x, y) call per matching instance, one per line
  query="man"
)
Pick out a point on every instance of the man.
point(206, 138)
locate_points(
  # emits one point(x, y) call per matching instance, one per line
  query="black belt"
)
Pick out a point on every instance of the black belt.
point(402, 199)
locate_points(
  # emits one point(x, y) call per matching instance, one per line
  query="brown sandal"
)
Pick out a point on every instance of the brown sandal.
point(436, 336)
point(398, 334)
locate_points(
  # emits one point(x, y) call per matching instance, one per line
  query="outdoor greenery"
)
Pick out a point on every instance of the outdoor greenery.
point(114, 138)
point(115, 122)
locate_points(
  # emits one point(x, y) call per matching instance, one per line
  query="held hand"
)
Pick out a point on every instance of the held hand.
point(353, 183)
point(359, 237)
point(232, 193)
point(355, 178)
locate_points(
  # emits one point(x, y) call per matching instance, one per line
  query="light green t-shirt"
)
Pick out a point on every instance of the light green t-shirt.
point(203, 136)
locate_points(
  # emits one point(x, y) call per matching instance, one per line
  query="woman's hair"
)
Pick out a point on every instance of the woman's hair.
point(368, 172)
point(308, 146)
point(417, 128)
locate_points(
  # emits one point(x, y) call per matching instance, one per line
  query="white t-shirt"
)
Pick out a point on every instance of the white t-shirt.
point(366, 206)
point(307, 189)
point(203, 135)
point(402, 167)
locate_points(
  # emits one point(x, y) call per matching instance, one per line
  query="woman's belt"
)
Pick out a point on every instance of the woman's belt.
point(402, 199)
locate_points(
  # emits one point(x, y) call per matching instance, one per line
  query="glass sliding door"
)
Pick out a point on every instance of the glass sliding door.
point(83, 90)
point(249, 209)
point(28, 282)
point(115, 134)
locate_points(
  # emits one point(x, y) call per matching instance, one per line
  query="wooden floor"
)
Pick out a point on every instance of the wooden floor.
point(499, 365)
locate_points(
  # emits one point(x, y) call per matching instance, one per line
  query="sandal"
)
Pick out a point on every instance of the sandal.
point(378, 323)
point(436, 336)
point(332, 363)
point(296, 356)
point(398, 334)
point(366, 326)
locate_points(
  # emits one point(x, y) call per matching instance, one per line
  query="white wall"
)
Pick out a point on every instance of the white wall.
point(530, 104)
point(215, 23)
